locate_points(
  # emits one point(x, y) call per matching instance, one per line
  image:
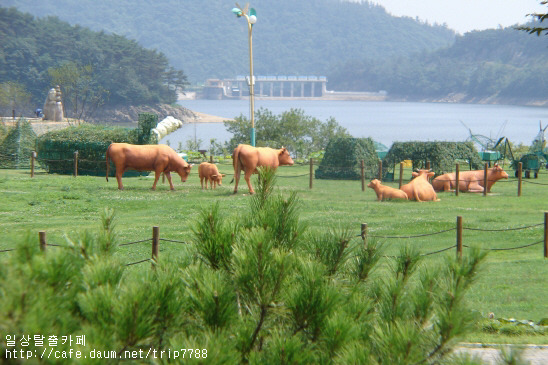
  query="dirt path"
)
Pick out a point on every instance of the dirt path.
point(534, 354)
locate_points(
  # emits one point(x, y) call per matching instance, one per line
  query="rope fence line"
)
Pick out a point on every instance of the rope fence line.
point(138, 262)
point(459, 237)
point(509, 248)
point(414, 236)
point(132, 243)
point(503, 229)
point(174, 241)
point(459, 245)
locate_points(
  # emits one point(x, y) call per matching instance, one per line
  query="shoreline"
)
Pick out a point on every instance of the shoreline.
point(208, 118)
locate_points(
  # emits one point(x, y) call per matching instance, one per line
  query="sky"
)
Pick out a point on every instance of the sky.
point(466, 15)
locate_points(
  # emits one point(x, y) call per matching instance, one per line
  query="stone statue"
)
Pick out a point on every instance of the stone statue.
point(53, 107)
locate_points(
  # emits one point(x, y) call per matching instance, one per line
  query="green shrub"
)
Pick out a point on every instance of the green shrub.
point(440, 155)
point(343, 156)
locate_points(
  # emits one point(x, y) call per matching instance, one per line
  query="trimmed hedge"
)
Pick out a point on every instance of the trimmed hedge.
point(55, 149)
point(442, 155)
point(342, 159)
point(16, 145)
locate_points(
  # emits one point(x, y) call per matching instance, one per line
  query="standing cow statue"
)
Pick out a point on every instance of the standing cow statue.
point(158, 158)
point(419, 188)
point(248, 158)
point(209, 172)
point(471, 181)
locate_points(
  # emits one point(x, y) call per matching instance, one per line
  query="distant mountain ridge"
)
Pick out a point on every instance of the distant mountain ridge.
point(205, 40)
point(491, 66)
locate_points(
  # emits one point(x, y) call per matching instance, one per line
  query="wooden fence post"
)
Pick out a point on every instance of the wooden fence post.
point(362, 166)
point(520, 166)
point(428, 165)
point(311, 173)
point(364, 234)
point(457, 176)
point(485, 179)
point(546, 235)
point(401, 174)
point(380, 170)
point(75, 163)
point(155, 244)
point(32, 158)
point(459, 237)
point(42, 238)
point(210, 158)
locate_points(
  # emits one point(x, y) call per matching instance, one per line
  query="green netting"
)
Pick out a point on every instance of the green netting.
point(342, 159)
point(16, 145)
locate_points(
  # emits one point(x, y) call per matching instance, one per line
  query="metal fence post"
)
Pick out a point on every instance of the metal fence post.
point(459, 237)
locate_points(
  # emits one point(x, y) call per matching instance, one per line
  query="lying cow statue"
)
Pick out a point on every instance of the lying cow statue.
point(248, 158)
point(386, 192)
point(209, 172)
point(158, 158)
point(471, 181)
point(419, 188)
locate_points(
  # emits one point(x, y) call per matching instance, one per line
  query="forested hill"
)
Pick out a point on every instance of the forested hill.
point(205, 39)
point(99, 68)
point(502, 66)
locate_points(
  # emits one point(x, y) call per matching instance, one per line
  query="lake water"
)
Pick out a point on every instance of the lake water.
point(384, 122)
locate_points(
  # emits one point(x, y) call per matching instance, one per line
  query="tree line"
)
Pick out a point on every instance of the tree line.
point(92, 68)
point(306, 37)
point(500, 63)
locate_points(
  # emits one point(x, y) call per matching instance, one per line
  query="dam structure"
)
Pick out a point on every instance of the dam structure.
point(266, 86)
point(280, 87)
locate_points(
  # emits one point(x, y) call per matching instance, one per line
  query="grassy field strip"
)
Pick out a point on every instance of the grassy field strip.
point(512, 283)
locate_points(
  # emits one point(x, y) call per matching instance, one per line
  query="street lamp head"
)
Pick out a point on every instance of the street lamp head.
point(253, 19)
point(237, 11)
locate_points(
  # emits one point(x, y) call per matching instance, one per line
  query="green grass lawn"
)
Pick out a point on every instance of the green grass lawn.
point(512, 284)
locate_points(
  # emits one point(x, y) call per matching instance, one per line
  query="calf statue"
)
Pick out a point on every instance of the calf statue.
point(386, 192)
point(209, 172)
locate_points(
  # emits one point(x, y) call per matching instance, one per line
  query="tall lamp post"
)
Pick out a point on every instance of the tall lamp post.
point(251, 19)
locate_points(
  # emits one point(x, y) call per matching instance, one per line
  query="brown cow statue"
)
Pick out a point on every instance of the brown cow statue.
point(158, 158)
point(471, 181)
point(419, 188)
point(209, 172)
point(386, 192)
point(248, 158)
